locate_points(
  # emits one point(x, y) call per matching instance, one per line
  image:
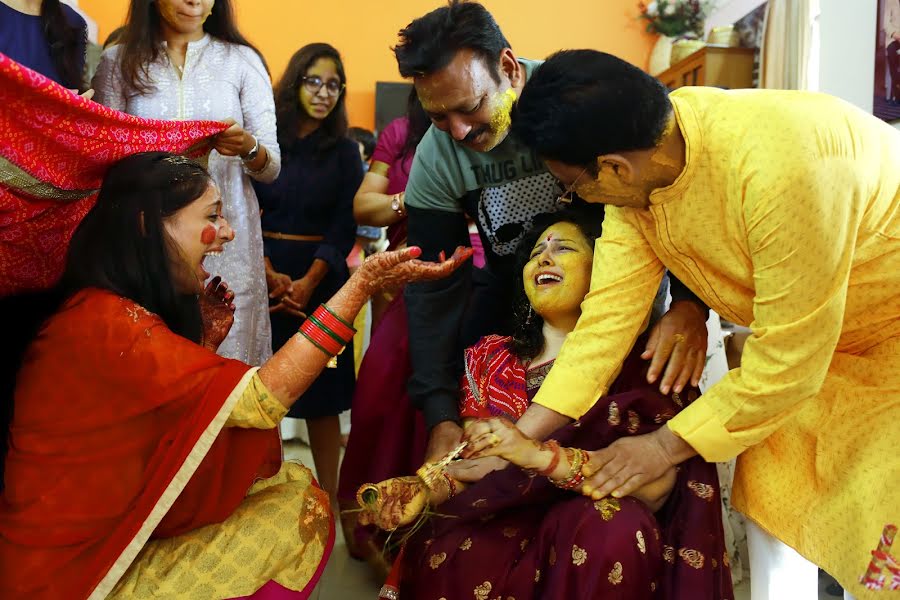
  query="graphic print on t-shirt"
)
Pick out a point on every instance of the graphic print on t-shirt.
point(506, 212)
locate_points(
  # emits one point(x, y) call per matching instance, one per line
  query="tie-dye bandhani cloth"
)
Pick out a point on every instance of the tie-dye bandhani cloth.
point(55, 147)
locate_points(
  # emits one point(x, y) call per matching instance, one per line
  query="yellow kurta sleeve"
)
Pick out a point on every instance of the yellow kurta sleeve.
point(801, 233)
point(626, 275)
point(257, 408)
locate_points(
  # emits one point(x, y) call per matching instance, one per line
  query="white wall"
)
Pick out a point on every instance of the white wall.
point(847, 64)
point(729, 11)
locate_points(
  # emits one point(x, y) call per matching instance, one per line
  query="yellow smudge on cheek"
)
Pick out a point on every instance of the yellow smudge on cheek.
point(501, 112)
point(590, 190)
point(208, 10)
point(576, 265)
point(501, 117)
point(566, 296)
point(306, 101)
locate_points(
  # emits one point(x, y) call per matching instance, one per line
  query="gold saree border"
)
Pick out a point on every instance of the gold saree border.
point(18, 179)
point(173, 490)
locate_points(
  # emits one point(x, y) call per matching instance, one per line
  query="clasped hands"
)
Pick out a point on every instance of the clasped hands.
point(642, 466)
point(292, 294)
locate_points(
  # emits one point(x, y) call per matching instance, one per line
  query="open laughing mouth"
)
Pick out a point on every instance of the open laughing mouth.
point(213, 252)
point(546, 278)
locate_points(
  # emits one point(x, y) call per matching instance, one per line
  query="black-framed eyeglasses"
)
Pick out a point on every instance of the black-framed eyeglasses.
point(313, 84)
point(568, 191)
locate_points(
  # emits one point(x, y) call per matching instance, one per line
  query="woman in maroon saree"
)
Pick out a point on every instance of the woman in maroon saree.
point(517, 534)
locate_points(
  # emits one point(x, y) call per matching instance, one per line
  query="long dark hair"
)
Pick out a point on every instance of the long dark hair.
point(67, 43)
point(288, 111)
point(528, 325)
point(419, 122)
point(142, 39)
point(122, 245)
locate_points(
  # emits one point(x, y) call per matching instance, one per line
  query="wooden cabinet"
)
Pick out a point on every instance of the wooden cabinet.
point(719, 66)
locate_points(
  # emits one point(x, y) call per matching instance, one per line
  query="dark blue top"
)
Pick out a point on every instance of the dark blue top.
point(314, 196)
point(22, 39)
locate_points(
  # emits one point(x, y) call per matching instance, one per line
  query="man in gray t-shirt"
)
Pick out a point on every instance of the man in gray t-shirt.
point(467, 79)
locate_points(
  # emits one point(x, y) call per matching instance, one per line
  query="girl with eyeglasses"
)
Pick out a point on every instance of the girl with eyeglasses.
point(308, 229)
point(186, 59)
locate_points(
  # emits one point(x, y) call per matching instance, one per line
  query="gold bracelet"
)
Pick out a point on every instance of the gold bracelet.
point(575, 477)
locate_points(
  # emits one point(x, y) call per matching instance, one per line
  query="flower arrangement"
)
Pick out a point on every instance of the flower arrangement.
point(676, 18)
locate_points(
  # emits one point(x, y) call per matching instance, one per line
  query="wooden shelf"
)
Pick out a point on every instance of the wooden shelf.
point(718, 66)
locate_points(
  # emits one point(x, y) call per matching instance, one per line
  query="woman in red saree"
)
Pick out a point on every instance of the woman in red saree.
point(516, 533)
point(140, 463)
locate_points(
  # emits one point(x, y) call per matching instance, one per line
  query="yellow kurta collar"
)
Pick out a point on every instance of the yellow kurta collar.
point(693, 141)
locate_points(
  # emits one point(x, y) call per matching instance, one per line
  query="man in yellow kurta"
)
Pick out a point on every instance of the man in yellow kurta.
point(781, 211)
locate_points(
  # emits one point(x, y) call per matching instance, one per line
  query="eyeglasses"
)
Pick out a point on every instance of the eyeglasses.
point(569, 190)
point(313, 84)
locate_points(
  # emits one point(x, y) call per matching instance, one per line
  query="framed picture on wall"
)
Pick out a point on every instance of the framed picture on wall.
point(887, 61)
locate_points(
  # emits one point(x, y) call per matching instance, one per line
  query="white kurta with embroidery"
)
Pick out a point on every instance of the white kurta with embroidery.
point(220, 80)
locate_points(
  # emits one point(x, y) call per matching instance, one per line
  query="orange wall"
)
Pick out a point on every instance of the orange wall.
point(364, 31)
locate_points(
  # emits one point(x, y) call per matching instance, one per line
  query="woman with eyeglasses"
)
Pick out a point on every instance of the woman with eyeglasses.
point(186, 59)
point(308, 229)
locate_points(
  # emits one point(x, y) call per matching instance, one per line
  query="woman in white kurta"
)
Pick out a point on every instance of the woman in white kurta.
point(198, 75)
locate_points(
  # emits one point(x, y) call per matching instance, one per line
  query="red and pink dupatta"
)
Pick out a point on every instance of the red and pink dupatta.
point(55, 147)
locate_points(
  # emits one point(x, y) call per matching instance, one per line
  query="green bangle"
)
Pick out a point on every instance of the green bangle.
point(315, 343)
point(335, 315)
point(330, 333)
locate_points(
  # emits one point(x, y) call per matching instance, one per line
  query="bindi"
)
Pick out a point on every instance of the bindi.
point(208, 235)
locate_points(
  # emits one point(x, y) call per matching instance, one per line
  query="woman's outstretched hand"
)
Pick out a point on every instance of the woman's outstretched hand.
point(397, 268)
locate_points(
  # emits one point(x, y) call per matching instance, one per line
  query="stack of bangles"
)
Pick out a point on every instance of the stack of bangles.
point(327, 331)
point(576, 458)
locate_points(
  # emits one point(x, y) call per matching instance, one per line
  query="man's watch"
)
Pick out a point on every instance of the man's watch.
point(254, 151)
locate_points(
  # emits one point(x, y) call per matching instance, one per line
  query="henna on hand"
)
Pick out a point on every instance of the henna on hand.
point(500, 437)
point(296, 365)
point(216, 313)
point(392, 503)
point(394, 269)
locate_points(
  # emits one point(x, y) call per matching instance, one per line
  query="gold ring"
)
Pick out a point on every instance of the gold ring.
point(368, 495)
point(679, 338)
point(495, 439)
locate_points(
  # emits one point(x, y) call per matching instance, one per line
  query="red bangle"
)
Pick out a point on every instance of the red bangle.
point(327, 344)
point(324, 328)
point(320, 338)
point(340, 327)
point(316, 344)
point(554, 462)
point(337, 316)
